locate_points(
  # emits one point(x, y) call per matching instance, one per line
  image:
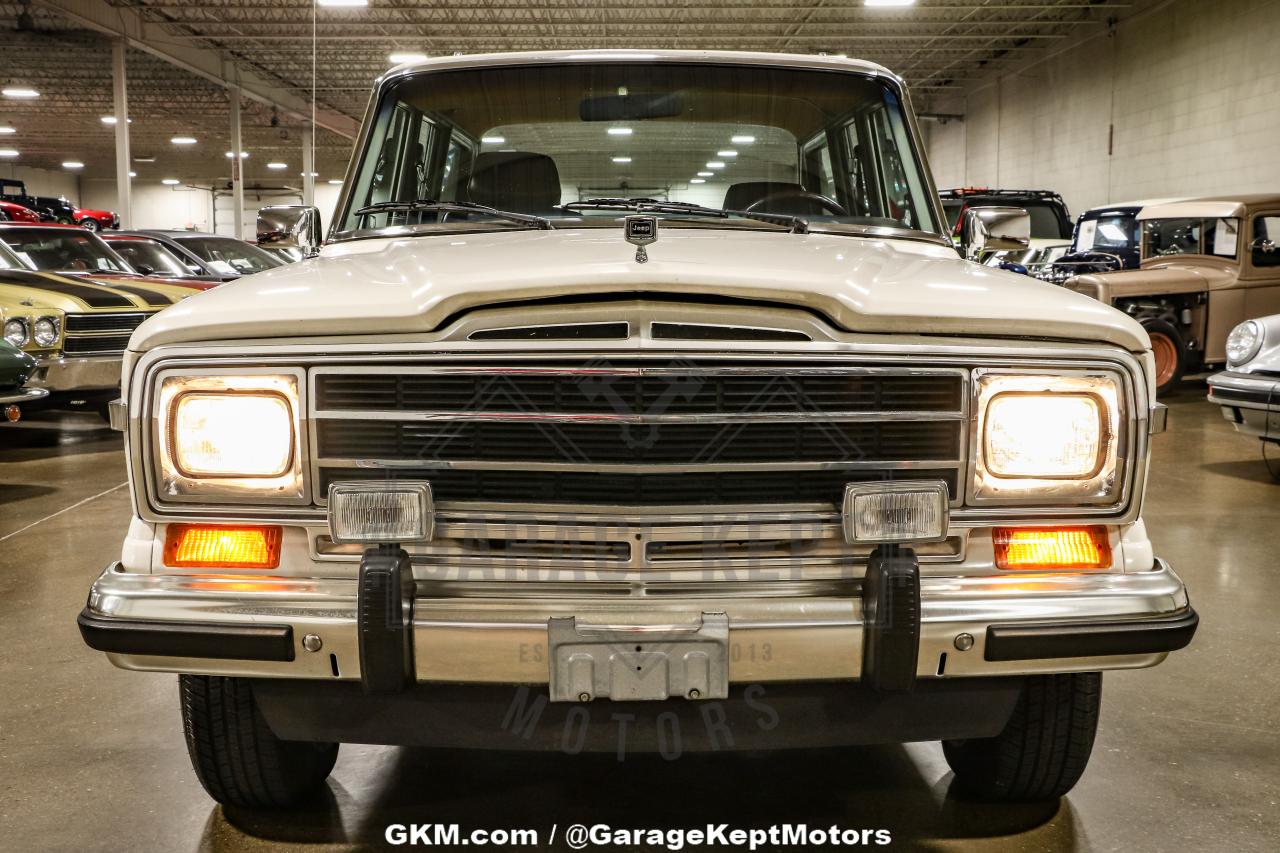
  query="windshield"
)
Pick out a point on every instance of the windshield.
point(831, 147)
point(229, 256)
point(10, 261)
point(63, 250)
point(1190, 236)
point(1107, 233)
point(149, 253)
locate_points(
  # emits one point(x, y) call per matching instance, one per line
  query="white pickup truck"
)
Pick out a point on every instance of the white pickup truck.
point(650, 380)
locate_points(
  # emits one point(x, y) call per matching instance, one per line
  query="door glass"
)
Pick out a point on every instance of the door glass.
point(1265, 241)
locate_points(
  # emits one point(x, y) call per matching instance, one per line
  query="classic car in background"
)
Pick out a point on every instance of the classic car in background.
point(1207, 265)
point(1249, 389)
point(95, 220)
point(1050, 219)
point(75, 325)
point(215, 255)
point(16, 367)
point(11, 212)
point(151, 256)
point(49, 208)
point(1106, 239)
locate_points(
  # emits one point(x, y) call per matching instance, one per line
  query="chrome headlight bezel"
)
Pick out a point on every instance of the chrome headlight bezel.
point(17, 331)
point(51, 339)
point(1103, 483)
point(1246, 350)
point(172, 483)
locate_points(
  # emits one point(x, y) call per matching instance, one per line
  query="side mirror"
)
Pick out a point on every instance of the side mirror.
point(290, 227)
point(144, 269)
point(993, 229)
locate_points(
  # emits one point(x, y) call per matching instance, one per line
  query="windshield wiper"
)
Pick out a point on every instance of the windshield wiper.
point(794, 224)
point(430, 205)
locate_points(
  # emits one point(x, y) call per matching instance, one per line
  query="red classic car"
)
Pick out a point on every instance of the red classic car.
point(95, 220)
point(10, 212)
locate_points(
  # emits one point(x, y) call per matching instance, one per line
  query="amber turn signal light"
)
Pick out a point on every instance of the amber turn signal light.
point(1032, 548)
point(207, 546)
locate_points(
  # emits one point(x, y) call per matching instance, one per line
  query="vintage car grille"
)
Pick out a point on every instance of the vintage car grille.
point(99, 334)
point(630, 435)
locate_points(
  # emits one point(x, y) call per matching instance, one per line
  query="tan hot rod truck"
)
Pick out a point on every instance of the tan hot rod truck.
point(1207, 265)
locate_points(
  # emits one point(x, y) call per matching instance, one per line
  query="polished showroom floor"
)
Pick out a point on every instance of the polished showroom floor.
point(1188, 757)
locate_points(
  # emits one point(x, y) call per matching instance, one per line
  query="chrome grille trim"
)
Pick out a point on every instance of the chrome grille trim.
point(123, 321)
point(741, 395)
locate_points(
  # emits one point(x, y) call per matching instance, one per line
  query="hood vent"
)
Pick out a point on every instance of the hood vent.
point(568, 332)
point(700, 332)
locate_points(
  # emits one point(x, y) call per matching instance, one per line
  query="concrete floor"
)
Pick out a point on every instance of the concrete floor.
point(1188, 756)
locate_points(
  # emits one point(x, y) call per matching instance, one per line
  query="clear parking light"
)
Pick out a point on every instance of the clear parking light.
point(17, 333)
point(1244, 342)
point(46, 331)
point(896, 512)
point(384, 512)
point(236, 436)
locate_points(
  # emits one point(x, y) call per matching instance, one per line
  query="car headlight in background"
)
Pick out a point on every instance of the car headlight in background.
point(236, 437)
point(1244, 342)
point(1044, 438)
point(46, 331)
point(17, 333)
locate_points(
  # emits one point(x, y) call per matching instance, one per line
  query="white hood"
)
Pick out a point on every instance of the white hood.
point(406, 285)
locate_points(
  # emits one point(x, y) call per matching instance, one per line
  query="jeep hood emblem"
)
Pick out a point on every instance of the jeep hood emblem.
point(641, 231)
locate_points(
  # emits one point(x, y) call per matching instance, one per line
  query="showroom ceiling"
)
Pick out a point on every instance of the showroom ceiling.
point(939, 46)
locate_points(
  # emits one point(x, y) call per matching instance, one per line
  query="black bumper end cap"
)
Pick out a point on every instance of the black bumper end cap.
point(1091, 639)
point(384, 629)
point(186, 640)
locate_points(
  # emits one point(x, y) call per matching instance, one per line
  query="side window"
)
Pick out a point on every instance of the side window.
point(817, 166)
point(1223, 235)
point(457, 162)
point(1264, 242)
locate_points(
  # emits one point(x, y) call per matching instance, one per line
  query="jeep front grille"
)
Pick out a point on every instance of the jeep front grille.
point(625, 434)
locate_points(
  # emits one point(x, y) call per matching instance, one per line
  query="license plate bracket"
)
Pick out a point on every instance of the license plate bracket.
point(638, 663)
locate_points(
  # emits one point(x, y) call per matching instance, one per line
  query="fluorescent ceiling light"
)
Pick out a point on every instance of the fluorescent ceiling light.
point(309, 174)
point(336, 183)
point(72, 164)
point(715, 164)
point(742, 139)
point(8, 153)
point(183, 140)
point(112, 120)
point(728, 153)
point(888, 3)
point(619, 131)
point(277, 165)
point(144, 159)
point(698, 180)
point(622, 159)
point(493, 140)
point(243, 154)
point(705, 174)
point(5, 130)
point(19, 92)
point(402, 58)
point(343, 3)
point(170, 182)
point(133, 174)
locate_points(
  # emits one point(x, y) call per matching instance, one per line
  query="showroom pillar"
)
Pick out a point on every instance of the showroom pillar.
point(120, 91)
point(237, 165)
point(308, 168)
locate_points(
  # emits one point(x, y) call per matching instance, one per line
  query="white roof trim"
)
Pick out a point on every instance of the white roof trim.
point(1193, 210)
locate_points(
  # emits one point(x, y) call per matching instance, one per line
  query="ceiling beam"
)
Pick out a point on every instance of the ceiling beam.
point(216, 66)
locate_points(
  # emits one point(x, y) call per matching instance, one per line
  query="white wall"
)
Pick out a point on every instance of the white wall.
point(1193, 92)
point(43, 181)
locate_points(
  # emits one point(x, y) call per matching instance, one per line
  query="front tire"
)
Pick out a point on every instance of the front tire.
point(90, 223)
point(1044, 747)
point(236, 756)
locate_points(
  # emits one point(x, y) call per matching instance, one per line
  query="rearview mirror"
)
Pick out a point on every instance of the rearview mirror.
point(993, 229)
point(291, 227)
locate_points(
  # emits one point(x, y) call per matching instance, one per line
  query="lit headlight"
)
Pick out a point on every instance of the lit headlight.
point(46, 332)
point(233, 436)
point(16, 332)
point(1047, 437)
point(1244, 342)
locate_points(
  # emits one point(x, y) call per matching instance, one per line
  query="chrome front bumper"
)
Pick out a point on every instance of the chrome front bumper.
point(1251, 402)
point(59, 374)
point(1015, 624)
point(22, 395)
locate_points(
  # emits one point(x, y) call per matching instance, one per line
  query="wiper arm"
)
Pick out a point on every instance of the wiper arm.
point(428, 205)
point(648, 205)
